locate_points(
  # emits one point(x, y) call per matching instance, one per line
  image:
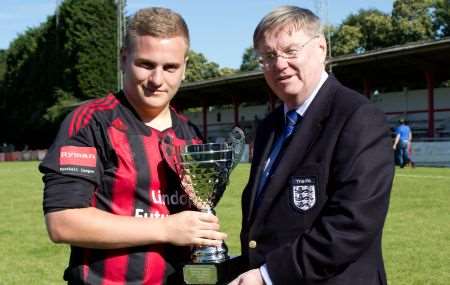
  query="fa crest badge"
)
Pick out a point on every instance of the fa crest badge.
point(303, 192)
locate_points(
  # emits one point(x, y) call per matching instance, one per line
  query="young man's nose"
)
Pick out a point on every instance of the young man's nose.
point(156, 77)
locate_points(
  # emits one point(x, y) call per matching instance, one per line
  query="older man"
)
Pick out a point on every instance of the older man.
point(318, 192)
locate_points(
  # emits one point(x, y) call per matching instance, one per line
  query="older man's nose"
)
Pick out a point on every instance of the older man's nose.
point(280, 62)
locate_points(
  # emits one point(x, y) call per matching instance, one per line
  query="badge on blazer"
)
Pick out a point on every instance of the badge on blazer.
point(303, 192)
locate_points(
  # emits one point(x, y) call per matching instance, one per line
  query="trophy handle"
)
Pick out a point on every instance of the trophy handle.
point(237, 140)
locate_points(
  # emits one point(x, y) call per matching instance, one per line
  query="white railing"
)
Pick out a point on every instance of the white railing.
point(431, 152)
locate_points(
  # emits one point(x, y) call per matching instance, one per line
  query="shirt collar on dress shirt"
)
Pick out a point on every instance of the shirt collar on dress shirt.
point(303, 107)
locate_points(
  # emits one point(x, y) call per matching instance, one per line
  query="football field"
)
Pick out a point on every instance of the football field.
point(416, 241)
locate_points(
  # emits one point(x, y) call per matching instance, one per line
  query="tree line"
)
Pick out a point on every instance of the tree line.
point(71, 57)
point(369, 29)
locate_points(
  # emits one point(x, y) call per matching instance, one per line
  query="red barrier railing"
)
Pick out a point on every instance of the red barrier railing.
point(26, 155)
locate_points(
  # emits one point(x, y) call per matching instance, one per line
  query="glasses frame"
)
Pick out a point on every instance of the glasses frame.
point(267, 59)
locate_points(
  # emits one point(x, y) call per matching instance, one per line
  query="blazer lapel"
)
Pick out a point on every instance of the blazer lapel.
point(303, 138)
point(268, 137)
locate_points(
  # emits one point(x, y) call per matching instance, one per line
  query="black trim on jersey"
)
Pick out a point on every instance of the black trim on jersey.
point(136, 258)
point(97, 267)
point(138, 125)
point(182, 126)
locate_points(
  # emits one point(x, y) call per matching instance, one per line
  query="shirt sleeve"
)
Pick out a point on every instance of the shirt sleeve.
point(72, 168)
point(265, 274)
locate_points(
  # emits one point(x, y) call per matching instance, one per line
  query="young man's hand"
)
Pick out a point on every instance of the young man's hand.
point(193, 228)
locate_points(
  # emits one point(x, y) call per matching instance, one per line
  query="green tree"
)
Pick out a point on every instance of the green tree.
point(19, 91)
point(68, 58)
point(87, 29)
point(441, 13)
point(412, 20)
point(249, 60)
point(346, 40)
point(226, 71)
point(2, 64)
point(365, 30)
point(375, 26)
point(2, 75)
point(199, 68)
point(2, 96)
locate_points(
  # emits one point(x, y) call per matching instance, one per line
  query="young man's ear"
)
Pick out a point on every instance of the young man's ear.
point(186, 60)
point(123, 58)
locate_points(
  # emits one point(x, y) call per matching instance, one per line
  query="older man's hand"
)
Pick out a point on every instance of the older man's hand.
point(251, 277)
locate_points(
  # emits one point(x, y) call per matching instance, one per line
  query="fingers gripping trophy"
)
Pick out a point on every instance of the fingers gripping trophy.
point(204, 171)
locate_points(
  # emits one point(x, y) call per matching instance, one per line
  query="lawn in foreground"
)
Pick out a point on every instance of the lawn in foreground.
point(415, 243)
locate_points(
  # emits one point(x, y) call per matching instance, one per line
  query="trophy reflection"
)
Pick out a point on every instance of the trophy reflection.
point(204, 171)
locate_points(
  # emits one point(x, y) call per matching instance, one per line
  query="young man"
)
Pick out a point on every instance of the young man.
point(111, 188)
point(322, 170)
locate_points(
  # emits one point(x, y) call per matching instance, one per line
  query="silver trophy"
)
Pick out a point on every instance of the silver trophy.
point(204, 171)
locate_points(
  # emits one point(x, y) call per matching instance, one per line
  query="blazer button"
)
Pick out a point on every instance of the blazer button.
point(252, 244)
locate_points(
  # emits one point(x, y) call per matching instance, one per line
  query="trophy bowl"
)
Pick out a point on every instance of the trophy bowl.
point(204, 170)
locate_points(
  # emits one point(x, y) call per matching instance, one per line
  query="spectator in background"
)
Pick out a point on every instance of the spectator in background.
point(402, 144)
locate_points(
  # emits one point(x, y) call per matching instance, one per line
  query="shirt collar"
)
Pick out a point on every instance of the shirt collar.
point(303, 107)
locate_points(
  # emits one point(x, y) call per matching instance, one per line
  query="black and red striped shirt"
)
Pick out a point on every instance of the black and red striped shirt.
point(104, 156)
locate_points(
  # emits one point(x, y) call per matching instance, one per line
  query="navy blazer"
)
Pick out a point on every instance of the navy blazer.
point(322, 211)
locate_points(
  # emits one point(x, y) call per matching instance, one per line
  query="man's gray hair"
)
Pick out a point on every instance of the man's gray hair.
point(293, 17)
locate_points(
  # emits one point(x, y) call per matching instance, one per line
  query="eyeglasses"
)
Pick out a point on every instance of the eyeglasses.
point(267, 59)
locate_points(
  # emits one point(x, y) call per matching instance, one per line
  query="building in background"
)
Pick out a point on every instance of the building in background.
point(411, 81)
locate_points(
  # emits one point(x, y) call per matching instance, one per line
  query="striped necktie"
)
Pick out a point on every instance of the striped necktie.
point(292, 117)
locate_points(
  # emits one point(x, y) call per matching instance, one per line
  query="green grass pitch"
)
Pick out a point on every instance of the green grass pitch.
point(416, 237)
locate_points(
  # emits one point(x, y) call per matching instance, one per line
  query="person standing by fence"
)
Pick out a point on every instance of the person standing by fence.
point(402, 144)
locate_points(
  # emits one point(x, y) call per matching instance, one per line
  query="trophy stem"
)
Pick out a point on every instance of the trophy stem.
point(209, 211)
point(210, 254)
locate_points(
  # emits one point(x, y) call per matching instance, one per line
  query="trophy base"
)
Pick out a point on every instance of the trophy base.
point(212, 273)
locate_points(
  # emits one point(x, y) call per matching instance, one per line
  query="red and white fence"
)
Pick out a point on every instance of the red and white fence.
point(26, 155)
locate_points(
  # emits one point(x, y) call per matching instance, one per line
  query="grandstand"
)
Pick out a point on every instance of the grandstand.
point(409, 81)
